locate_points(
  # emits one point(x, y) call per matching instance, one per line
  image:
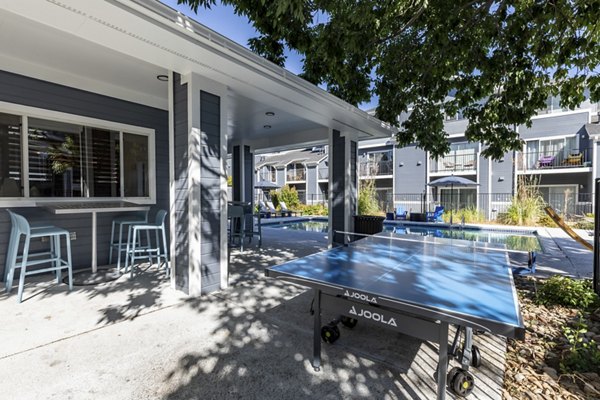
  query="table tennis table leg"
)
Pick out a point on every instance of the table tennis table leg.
point(442, 369)
point(317, 331)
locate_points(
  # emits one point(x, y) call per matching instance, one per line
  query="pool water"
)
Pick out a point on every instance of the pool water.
point(512, 240)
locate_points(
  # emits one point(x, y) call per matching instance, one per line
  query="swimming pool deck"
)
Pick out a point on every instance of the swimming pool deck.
point(138, 339)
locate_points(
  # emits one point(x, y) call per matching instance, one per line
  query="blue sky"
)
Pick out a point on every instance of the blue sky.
point(223, 20)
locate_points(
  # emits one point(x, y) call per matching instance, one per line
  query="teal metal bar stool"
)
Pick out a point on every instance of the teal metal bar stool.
point(136, 250)
point(21, 227)
point(124, 221)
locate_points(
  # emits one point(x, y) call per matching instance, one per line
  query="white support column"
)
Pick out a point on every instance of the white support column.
point(199, 254)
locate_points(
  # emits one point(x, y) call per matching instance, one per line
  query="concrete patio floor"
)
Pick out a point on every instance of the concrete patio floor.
point(138, 339)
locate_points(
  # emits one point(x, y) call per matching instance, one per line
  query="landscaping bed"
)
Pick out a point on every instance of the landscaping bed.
point(560, 357)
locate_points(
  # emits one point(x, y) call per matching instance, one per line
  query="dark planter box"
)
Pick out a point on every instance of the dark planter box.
point(368, 224)
point(420, 217)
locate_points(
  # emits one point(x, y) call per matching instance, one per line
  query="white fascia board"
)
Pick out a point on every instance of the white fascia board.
point(137, 29)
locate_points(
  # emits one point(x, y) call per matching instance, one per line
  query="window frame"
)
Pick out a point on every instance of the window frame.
point(26, 112)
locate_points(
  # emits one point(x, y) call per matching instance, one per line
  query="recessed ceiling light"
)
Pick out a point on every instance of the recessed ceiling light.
point(162, 78)
point(267, 126)
point(269, 113)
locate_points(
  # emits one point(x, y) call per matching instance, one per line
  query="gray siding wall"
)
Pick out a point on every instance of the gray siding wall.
point(504, 170)
point(311, 182)
point(210, 201)
point(280, 176)
point(554, 126)
point(180, 107)
point(32, 92)
point(353, 180)
point(410, 178)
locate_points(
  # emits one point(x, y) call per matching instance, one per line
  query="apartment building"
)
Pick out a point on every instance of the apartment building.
point(559, 156)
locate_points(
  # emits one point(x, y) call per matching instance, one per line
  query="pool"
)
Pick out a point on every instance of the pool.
point(513, 240)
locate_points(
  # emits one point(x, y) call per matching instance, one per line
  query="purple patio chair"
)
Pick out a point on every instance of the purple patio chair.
point(546, 161)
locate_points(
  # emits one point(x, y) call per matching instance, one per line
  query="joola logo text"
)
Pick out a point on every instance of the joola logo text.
point(372, 316)
point(360, 296)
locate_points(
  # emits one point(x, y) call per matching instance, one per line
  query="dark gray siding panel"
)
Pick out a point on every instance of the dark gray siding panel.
point(32, 92)
point(410, 178)
point(353, 180)
point(180, 116)
point(554, 126)
point(237, 178)
point(210, 199)
point(338, 166)
point(248, 173)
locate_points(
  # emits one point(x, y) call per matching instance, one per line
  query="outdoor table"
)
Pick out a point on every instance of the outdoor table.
point(94, 208)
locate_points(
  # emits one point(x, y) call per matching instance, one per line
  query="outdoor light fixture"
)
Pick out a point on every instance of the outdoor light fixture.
point(402, 164)
point(162, 78)
point(267, 126)
point(501, 179)
point(269, 113)
point(419, 163)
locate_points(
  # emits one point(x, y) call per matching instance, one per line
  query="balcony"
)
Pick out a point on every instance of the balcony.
point(455, 162)
point(539, 161)
point(375, 168)
point(298, 175)
point(266, 176)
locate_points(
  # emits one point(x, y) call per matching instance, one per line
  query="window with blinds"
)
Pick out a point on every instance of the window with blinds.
point(71, 160)
point(11, 181)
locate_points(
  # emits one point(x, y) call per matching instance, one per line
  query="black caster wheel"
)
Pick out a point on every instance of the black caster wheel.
point(461, 382)
point(330, 333)
point(349, 322)
point(475, 356)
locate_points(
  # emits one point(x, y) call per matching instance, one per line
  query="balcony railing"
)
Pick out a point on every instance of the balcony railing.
point(539, 160)
point(455, 162)
point(266, 176)
point(375, 168)
point(295, 176)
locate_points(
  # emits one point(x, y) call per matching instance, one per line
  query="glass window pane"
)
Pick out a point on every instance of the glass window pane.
point(10, 156)
point(102, 163)
point(135, 165)
point(55, 159)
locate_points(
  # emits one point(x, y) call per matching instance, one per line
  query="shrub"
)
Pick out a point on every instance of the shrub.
point(526, 205)
point(565, 291)
point(470, 214)
point(588, 225)
point(545, 220)
point(315, 209)
point(583, 354)
point(367, 198)
point(286, 194)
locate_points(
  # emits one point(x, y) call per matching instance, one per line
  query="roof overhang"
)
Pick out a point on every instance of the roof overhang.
point(118, 47)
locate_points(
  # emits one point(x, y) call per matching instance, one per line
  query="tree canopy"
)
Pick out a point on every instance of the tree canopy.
point(496, 62)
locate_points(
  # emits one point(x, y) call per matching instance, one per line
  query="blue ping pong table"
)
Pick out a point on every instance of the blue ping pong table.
point(417, 286)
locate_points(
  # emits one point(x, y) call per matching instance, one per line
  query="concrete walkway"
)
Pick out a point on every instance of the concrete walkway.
point(140, 340)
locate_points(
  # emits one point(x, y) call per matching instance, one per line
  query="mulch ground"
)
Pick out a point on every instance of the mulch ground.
point(533, 366)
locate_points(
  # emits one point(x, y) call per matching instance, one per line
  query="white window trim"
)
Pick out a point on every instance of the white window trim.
point(26, 112)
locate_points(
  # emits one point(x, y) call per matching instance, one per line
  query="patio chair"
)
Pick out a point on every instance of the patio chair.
point(546, 161)
point(21, 227)
point(124, 221)
point(263, 210)
point(271, 207)
point(449, 165)
point(401, 213)
point(237, 225)
point(573, 159)
point(436, 215)
point(135, 250)
point(286, 211)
